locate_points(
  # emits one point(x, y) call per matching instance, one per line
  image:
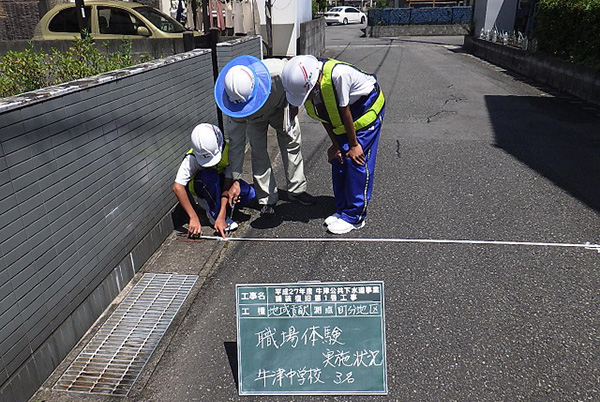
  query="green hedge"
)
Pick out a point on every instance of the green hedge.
point(570, 29)
point(30, 70)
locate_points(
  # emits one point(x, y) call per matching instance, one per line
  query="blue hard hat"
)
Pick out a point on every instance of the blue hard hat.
point(260, 92)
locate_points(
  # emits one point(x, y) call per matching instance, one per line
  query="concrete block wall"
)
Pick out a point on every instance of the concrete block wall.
point(231, 49)
point(86, 170)
point(18, 18)
point(382, 31)
point(580, 81)
point(312, 37)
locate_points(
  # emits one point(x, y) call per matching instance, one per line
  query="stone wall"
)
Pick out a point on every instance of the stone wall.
point(18, 18)
point(86, 170)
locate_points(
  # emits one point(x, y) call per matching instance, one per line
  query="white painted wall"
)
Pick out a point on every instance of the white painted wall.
point(287, 17)
point(165, 6)
point(500, 13)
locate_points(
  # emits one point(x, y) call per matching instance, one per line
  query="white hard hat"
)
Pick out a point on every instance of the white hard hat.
point(243, 86)
point(239, 84)
point(207, 143)
point(299, 76)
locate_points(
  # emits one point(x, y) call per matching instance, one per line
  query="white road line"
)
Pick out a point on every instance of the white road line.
point(587, 245)
point(366, 45)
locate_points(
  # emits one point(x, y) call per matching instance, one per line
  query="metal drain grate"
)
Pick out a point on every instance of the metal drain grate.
point(114, 358)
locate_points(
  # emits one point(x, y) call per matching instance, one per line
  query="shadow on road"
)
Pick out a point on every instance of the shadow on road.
point(296, 212)
point(556, 138)
point(231, 350)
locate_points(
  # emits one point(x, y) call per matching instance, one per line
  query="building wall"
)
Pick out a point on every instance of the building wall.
point(499, 13)
point(479, 12)
point(86, 170)
point(286, 17)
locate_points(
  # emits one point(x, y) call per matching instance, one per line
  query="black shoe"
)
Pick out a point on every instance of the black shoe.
point(303, 198)
point(267, 211)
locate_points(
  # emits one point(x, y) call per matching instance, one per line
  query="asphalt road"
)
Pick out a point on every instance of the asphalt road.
point(467, 152)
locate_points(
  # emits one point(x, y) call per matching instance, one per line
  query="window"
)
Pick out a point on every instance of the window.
point(117, 21)
point(351, 10)
point(66, 20)
point(159, 20)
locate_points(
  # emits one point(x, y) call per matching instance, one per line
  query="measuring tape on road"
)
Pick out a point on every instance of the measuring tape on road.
point(587, 245)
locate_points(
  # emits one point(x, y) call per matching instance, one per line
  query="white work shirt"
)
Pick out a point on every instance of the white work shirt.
point(350, 84)
point(189, 167)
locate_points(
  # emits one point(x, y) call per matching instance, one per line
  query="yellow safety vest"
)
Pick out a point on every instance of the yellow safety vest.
point(329, 98)
point(220, 167)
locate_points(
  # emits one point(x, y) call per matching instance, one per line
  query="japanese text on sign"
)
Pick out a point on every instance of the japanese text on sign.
point(325, 338)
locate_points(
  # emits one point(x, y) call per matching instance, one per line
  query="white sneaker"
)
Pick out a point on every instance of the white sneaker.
point(340, 226)
point(231, 224)
point(332, 218)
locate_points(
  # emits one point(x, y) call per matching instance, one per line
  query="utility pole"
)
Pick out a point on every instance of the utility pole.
point(82, 18)
point(268, 10)
point(214, 39)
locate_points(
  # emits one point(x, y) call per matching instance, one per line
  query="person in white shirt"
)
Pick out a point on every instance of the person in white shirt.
point(250, 92)
point(351, 106)
point(205, 173)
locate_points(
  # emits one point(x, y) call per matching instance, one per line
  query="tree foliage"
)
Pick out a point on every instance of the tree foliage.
point(318, 6)
point(570, 29)
point(30, 69)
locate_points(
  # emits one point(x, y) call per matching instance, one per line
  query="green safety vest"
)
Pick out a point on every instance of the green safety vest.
point(220, 167)
point(329, 98)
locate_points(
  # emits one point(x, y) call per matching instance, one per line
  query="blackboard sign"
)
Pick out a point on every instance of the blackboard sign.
point(311, 338)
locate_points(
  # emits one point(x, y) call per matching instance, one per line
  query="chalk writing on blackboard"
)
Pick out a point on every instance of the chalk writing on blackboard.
point(314, 338)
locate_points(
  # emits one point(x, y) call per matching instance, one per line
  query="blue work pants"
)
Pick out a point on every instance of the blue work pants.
point(208, 185)
point(352, 183)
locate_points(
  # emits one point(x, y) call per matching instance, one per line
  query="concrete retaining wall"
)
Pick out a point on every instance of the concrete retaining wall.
point(580, 81)
point(312, 37)
point(417, 30)
point(86, 170)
